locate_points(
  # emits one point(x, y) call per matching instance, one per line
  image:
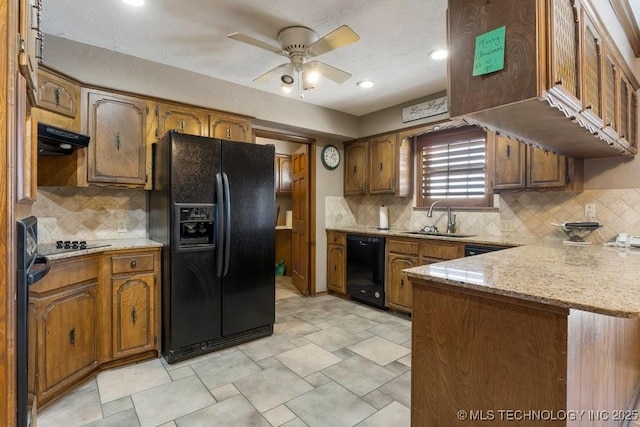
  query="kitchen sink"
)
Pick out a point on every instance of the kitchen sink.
point(430, 233)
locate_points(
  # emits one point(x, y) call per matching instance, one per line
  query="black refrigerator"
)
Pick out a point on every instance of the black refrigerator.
point(213, 208)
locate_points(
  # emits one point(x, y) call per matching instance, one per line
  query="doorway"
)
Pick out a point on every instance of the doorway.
point(295, 208)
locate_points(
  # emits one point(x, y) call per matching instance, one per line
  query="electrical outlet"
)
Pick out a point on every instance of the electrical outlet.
point(122, 226)
point(590, 210)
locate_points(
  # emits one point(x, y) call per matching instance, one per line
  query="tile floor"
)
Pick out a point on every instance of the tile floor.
point(330, 362)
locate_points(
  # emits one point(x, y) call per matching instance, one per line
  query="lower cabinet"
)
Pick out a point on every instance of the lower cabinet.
point(336, 262)
point(64, 326)
point(133, 304)
point(90, 312)
point(399, 293)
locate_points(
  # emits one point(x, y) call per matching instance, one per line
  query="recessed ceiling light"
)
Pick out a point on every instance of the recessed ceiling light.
point(439, 54)
point(134, 2)
point(365, 83)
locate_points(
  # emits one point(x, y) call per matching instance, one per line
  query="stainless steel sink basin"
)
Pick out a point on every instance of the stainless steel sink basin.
point(429, 233)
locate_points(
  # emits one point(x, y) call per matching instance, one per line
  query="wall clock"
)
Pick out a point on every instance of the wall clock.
point(330, 157)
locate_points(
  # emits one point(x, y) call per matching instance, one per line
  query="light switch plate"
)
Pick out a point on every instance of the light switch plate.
point(590, 210)
point(122, 226)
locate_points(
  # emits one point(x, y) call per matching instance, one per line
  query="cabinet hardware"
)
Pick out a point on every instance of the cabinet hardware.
point(56, 96)
point(508, 152)
point(229, 133)
point(335, 268)
point(380, 166)
point(560, 82)
point(118, 141)
point(402, 283)
point(181, 125)
point(134, 316)
point(355, 169)
point(134, 264)
point(72, 336)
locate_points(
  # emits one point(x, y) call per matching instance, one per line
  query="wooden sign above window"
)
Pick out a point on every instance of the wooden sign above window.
point(425, 109)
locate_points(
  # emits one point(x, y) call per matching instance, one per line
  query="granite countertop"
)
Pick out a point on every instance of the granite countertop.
point(106, 245)
point(590, 278)
point(500, 240)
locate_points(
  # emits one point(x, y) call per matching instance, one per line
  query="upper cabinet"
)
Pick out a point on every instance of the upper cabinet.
point(379, 165)
point(181, 119)
point(58, 100)
point(230, 127)
point(560, 68)
point(30, 48)
point(284, 174)
point(519, 166)
point(117, 125)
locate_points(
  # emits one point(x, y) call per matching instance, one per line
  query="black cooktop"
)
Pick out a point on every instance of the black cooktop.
point(62, 246)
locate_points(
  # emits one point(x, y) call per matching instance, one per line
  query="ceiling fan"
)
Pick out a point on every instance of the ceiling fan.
point(299, 44)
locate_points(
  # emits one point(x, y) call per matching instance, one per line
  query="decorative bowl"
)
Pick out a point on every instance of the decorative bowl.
point(578, 231)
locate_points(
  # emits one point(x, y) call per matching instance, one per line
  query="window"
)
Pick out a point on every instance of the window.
point(452, 168)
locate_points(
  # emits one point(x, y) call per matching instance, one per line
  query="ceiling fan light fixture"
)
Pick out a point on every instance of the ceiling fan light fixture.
point(286, 79)
point(287, 88)
point(439, 54)
point(307, 80)
point(365, 83)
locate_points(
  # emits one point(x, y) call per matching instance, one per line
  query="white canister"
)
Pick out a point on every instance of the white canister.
point(384, 218)
point(289, 218)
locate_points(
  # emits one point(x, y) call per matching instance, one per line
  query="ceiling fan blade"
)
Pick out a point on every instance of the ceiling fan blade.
point(325, 70)
point(270, 74)
point(341, 36)
point(255, 42)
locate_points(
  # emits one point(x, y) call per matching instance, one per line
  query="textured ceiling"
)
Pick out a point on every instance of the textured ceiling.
point(395, 39)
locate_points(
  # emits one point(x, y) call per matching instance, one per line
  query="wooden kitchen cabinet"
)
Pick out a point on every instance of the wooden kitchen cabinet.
point(440, 250)
point(561, 68)
point(60, 95)
point(519, 167)
point(30, 47)
point(64, 328)
point(284, 174)
point(401, 254)
point(355, 168)
point(182, 119)
point(230, 127)
point(379, 165)
point(336, 262)
point(133, 304)
point(117, 125)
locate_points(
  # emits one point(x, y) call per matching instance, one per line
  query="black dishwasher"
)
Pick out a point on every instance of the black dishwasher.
point(365, 269)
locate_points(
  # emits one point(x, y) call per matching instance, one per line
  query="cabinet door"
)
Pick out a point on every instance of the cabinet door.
point(564, 52)
point(283, 174)
point(610, 93)
point(546, 169)
point(355, 169)
point(336, 268)
point(57, 94)
point(69, 329)
point(181, 119)
point(592, 73)
point(230, 127)
point(133, 315)
point(510, 164)
point(382, 165)
point(31, 43)
point(624, 108)
point(117, 150)
point(399, 293)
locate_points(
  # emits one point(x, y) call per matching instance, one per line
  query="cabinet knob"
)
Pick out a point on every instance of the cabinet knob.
point(402, 283)
point(118, 141)
point(380, 166)
point(335, 268)
point(72, 336)
point(134, 264)
point(134, 316)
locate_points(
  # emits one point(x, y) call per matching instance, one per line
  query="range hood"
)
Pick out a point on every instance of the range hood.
point(53, 141)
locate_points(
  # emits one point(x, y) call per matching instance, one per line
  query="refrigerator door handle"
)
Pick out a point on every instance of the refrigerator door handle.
point(220, 231)
point(227, 237)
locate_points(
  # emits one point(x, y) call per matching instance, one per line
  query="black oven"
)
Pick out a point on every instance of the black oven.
point(31, 267)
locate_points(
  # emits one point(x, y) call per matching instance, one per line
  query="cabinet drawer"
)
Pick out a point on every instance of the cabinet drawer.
point(65, 273)
point(403, 247)
point(131, 263)
point(336, 238)
point(441, 250)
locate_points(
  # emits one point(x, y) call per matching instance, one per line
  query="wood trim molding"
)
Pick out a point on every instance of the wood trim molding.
point(629, 23)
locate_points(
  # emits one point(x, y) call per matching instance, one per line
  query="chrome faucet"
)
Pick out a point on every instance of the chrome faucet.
point(451, 219)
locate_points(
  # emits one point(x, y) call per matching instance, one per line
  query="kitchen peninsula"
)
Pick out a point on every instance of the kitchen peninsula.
point(550, 330)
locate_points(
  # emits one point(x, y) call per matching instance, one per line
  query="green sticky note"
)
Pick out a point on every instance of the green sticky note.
point(489, 53)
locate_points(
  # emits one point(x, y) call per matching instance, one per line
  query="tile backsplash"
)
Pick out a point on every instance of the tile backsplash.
point(526, 213)
point(91, 213)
